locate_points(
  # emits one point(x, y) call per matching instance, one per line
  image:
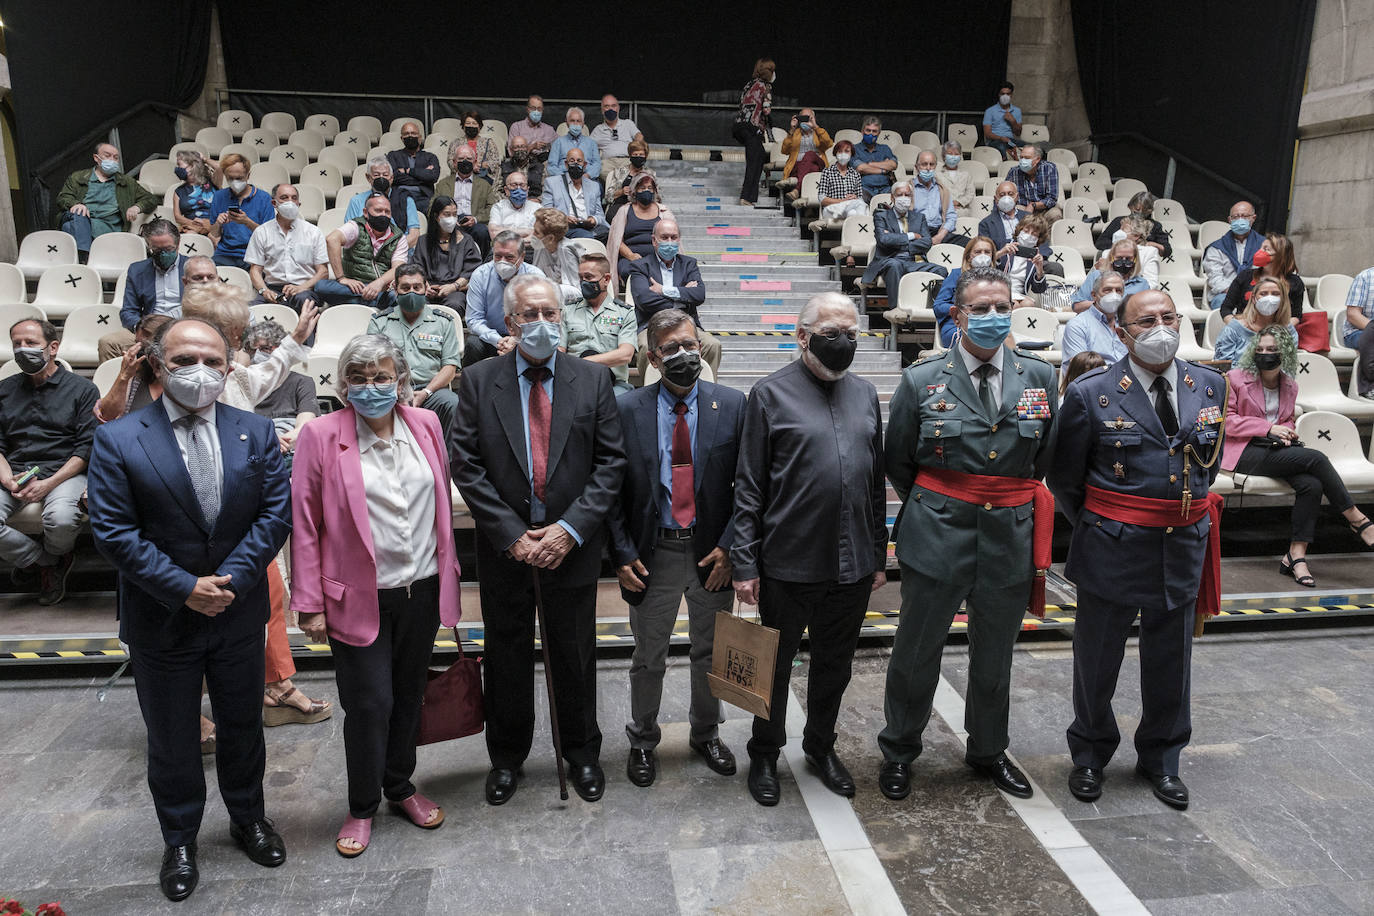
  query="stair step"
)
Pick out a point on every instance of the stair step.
point(730, 320)
point(743, 380)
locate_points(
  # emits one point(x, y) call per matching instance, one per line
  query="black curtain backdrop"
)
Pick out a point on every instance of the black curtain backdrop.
point(77, 64)
point(1217, 82)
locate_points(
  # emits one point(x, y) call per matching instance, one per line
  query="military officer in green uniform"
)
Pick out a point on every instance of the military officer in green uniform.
point(428, 338)
point(966, 433)
point(599, 327)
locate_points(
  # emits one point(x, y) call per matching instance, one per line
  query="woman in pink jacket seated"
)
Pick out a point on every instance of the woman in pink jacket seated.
point(374, 571)
point(1260, 439)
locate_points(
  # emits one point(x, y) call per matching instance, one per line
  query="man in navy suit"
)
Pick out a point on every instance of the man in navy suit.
point(668, 279)
point(579, 197)
point(1000, 226)
point(151, 286)
point(189, 501)
point(671, 533)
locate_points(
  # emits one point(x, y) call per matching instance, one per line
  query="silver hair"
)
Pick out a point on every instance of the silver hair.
point(1039, 153)
point(663, 321)
point(874, 120)
point(1104, 277)
point(367, 351)
point(376, 161)
point(521, 282)
point(668, 220)
point(807, 316)
point(576, 109)
point(506, 237)
point(263, 330)
point(953, 146)
point(904, 183)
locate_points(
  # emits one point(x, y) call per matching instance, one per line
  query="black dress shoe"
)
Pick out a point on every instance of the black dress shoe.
point(261, 841)
point(763, 780)
point(717, 756)
point(833, 773)
point(642, 767)
point(501, 785)
point(1086, 783)
point(179, 874)
point(1005, 776)
point(588, 782)
point(894, 779)
point(1168, 789)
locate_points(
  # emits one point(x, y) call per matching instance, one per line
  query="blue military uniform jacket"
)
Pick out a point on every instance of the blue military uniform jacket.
point(936, 420)
point(1108, 436)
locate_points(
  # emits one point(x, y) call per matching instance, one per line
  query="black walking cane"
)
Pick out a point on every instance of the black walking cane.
point(548, 685)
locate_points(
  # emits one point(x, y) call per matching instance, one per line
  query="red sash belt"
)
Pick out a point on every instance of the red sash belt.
point(1003, 492)
point(1163, 513)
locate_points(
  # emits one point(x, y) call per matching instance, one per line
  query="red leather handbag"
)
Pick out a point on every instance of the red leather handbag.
point(1314, 331)
point(452, 705)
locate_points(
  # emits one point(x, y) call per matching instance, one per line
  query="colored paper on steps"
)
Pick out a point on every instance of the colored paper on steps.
point(766, 286)
point(778, 319)
point(741, 231)
point(746, 259)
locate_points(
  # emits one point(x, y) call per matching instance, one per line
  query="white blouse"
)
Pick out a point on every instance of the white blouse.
point(399, 487)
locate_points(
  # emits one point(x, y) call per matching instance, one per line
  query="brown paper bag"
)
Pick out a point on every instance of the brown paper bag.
point(742, 663)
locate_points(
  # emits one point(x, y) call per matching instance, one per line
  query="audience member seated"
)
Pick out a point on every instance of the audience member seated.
point(519, 159)
point(1085, 361)
point(514, 212)
point(1359, 309)
point(235, 211)
point(486, 316)
point(1024, 263)
point(1268, 306)
point(804, 146)
point(414, 170)
point(558, 153)
point(486, 152)
point(446, 255)
point(934, 201)
point(537, 135)
point(1274, 259)
point(554, 253)
point(193, 198)
point(1235, 250)
point(579, 197)
point(1002, 123)
point(616, 193)
point(473, 194)
point(1136, 229)
point(429, 341)
point(978, 253)
point(293, 403)
point(1142, 205)
point(364, 254)
point(632, 229)
point(101, 199)
point(136, 386)
point(956, 179)
point(47, 425)
point(1037, 184)
point(901, 240)
point(597, 326)
point(151, 286)
point(1123, 258)
point(1007, 213)
point(287, 256)
point(669, 280)
point(403, 211)
point(614, 134)
point(840, 188)
point(1261, 439)
point(1095, 328)
point(874, 161)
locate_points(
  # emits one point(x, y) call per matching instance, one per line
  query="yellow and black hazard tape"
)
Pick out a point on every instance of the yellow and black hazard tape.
point(782, 333)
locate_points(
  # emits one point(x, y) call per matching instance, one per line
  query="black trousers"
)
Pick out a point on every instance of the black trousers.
point(507, 590)
point(168, 681)
point(1101, 628)
point(755, 156)
point(380, 689)
point(1308, 472)
point(475, 349)
point(834, 614)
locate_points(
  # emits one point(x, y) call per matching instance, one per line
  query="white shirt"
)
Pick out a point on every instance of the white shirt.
point(1009, 223)
point(167, 292)
point(208, 429)
point(1147, 378)
point(1271, 404)
point(286, 256)
point(577, 199)
point(623, 132)
point(504, 214)
point(399, 487)
point(973, 364)
point(462, 194)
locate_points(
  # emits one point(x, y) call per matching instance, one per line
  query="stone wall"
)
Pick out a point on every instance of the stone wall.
point(1041, 62)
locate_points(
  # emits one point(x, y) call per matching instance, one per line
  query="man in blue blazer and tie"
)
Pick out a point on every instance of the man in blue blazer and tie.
point(151, 286)
point(668, 279)
point(190, 502)
point(671, 533)
point(579, 197)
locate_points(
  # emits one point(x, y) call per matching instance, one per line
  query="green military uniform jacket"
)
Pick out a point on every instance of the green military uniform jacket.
point(429, 344)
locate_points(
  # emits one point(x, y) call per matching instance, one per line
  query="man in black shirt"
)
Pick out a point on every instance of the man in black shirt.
point(47, 424)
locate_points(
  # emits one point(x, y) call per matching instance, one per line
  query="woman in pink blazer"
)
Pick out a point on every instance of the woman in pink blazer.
point(374, 571)
point(1260, 439)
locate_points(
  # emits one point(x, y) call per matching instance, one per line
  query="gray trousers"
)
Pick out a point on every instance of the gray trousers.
point(62, 519)
point(672, 574)
point(444, 403)
point(928, 608)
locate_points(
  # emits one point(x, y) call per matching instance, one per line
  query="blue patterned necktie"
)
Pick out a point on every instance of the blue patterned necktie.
point(200, 463)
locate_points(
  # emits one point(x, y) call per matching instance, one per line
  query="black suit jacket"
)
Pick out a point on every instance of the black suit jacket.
point(585, 466)
point(635, 521)
point(647, 301)
point(424, 175)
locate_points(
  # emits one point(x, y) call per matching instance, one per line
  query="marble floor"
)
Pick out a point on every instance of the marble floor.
point(1279, 822)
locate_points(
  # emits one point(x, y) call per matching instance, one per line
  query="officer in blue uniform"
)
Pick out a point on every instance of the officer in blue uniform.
point(1133, 455)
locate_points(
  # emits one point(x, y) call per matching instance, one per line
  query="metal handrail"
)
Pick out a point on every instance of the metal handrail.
point(1176, 157)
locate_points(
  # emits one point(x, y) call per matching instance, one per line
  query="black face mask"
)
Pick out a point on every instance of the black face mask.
point(411, 143)
point(520, 155)
point(683, 368)
point(464, 167)
point(576, 171)
point(644, 197)
point(381, 185)
point(379, 223)
point(1268, 361)
point(835, 355)
point(638, 161)
point(1123, 265)
point(472, 132)
point(591, 289)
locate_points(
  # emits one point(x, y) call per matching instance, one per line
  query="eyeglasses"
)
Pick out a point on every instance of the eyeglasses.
point(1151, 321)
point(548, 314)
point(836, 333)
point(984, 308)
point(376, 381)
point(669, 350)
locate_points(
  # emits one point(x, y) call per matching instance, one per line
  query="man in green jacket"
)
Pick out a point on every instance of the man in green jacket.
point(102, 199)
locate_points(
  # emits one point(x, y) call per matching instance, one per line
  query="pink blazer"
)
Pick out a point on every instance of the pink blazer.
point(1245, 417)
point(333, 565)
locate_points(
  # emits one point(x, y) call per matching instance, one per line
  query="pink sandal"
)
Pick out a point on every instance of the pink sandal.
point(358, 829)
point(417, 808)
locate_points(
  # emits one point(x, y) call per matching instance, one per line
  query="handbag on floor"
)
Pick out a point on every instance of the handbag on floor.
point(452, 705)
point(742, 661)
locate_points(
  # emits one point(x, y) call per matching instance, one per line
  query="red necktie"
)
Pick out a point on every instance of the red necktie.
point(684, 499)
point(540, 409)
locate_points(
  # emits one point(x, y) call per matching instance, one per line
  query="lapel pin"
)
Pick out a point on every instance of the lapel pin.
point(1102, 399)
point(1188, 380)
point(243, 437)
point(1125, 383)
point(1211, 393)
point(714, 406)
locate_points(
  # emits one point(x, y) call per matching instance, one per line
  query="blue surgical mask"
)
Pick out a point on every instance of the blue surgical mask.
point(667, 250)
point(536, 116)
point(574, 130)
point(870, 139)
point(926, 175)
point(518, 196)
point(109, 166)
point(988, 331)
point(180, 173)
point(1240, 226)
point(1025, 164)
point(373, 401)
point(540, 338)
point(953, 161)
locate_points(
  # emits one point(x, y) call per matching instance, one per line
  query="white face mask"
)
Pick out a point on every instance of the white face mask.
point(1108, 303)
point(238, 186)
point(842, 158)
point(1004, 99)
point(505, 269)
point(194, 387)
point(980, 260)
point(1156, 346)
point(1026, 240)
point(288, 210)
point(1267, 305)
point(1006, 203)
point(901, 204)
point(447, 223)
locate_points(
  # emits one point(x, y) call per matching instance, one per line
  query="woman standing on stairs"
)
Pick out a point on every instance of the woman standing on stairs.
point(752, 125)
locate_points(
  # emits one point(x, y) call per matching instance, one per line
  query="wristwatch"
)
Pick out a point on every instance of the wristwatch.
point(263, 292)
